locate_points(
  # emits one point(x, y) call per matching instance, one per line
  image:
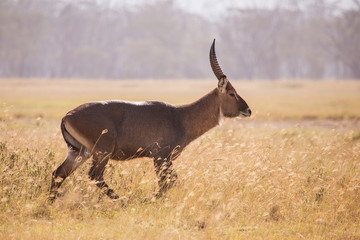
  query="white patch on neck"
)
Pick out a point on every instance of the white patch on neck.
point(221, 117)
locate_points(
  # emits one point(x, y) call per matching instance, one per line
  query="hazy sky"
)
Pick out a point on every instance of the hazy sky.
point(210, 7)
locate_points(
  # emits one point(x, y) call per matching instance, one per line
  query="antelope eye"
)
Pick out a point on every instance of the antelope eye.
point(232, 94)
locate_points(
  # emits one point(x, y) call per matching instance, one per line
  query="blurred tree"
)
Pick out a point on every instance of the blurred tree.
point(344, 36)
point(87, 38)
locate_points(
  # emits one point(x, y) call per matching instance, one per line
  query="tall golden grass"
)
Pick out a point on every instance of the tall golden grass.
point(292, 171)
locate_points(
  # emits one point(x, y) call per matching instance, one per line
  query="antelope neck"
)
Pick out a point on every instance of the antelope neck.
point(201, 115)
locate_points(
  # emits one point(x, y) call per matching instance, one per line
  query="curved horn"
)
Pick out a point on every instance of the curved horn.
point(214, 63)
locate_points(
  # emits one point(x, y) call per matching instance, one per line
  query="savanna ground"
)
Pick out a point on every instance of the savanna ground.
point(291, 171)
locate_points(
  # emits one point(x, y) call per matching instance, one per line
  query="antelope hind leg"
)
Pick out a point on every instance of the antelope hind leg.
point(73, 160)
point(96, 174)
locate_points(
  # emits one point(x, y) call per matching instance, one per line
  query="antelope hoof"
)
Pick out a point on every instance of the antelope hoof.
point(152, 198)
point(52, 196)
point(159, 195)
point(111, 194)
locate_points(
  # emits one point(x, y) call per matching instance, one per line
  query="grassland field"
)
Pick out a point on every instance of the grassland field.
point(291, 171)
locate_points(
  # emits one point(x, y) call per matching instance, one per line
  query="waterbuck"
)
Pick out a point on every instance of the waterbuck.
point(122, 130)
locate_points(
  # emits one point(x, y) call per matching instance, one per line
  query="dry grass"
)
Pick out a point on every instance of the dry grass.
point(290, 172)
point(301, 99)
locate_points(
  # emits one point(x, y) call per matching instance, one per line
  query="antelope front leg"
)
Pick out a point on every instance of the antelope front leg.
point(166, 174)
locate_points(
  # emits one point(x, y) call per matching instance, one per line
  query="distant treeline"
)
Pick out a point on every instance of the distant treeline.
point(46, 38)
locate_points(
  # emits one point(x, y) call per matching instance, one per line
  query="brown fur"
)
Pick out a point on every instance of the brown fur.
point(123, 130)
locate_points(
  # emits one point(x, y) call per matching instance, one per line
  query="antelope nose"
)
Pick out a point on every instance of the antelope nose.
point(249, 112)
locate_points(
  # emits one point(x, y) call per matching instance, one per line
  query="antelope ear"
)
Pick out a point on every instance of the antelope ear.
point(222, 84)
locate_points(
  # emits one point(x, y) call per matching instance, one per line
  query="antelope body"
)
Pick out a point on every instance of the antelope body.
point(122, 130)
